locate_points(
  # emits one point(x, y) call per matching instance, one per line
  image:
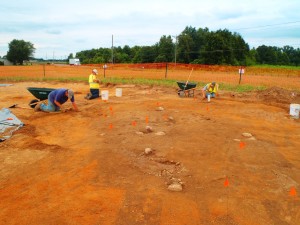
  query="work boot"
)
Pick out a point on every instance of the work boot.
point(88, 96)
point(37, 107)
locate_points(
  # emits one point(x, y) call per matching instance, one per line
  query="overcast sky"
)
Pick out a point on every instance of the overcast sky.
point(58, 28)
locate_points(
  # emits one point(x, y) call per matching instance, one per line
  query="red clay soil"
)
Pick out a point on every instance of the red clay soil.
point(90, 167)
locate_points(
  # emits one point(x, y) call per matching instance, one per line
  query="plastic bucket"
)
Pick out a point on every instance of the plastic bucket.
point(294, 110)
point(118, 92)
point(104, 95)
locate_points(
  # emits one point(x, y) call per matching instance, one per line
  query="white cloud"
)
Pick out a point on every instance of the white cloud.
point(69, 26)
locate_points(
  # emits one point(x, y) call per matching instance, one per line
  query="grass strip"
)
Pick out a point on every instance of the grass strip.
point(140, 81)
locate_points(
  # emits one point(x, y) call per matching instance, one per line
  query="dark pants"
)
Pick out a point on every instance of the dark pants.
point(95, 93)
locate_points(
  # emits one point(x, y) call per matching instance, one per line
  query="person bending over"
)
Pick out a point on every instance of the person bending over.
point(56, 99)
point(210, 89)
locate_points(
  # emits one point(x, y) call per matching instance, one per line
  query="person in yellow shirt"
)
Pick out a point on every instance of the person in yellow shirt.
point(210, 89)
point(94, 83)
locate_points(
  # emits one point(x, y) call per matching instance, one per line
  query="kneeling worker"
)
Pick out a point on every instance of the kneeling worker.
point(210, 89)
point(55, 100)
point(94, 85)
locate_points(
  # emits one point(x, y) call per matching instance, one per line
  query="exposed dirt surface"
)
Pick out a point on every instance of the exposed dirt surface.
point(279, 95)
point(91, 167)
point(273, 96)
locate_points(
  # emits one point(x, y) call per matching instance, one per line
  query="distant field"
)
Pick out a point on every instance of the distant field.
point(285, 77)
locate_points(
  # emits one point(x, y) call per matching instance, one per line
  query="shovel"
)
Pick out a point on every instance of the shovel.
point(188, 80)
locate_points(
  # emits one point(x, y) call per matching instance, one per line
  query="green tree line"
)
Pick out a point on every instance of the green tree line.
point(196, 46)
point(191, 46)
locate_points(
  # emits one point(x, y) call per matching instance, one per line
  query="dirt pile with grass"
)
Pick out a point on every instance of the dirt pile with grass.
point(278, 95)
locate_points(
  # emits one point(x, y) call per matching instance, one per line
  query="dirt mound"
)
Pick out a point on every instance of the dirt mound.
point(274, 96)
point(278, 95)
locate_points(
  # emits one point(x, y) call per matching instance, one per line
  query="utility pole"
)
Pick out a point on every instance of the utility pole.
point(112, 49)
point(175, 51)
point(175, 48)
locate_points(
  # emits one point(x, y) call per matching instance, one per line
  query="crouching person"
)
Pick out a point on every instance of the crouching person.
point(210, 89)
point(56, 99)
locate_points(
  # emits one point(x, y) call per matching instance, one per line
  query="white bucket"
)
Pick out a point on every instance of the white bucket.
point(104, 95)
point(294, 110)
point(118, 92)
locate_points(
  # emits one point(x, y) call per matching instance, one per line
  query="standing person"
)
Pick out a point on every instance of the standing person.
point(55, 100)
point(210, 89)
point(94, 85)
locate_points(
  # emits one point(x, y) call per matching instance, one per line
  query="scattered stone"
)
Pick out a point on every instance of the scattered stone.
point(238, 140)
point(166, 173)
point(252, 139)
point(160, 109)
point(149, 129)
point(174, 180)
point(102, 134)
point(171, 118)
point(247, 134)
point(139, 133)
point(148, 151)
point(175, 187)
point(160, 133)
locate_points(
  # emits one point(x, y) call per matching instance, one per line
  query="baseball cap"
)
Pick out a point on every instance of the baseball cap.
point(95, 71)
point(70, 93)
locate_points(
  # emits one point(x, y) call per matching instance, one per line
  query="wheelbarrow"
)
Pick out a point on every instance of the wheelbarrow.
point(186, 89)
point(41, 94)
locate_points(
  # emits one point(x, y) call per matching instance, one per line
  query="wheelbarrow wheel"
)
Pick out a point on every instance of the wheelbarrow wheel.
point(31, 103)
point(181, 93)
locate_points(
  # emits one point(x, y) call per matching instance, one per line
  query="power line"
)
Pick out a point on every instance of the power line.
point(270, 25)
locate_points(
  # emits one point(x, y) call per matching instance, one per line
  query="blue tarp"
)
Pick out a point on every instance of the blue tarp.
point(8, 124)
